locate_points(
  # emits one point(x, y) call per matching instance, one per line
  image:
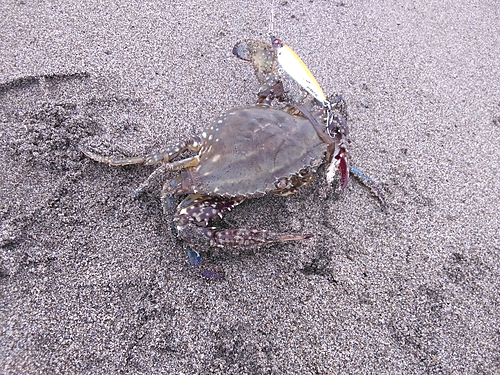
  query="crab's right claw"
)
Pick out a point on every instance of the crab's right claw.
point(340, 165)
point(260, 54)
point(343, 167)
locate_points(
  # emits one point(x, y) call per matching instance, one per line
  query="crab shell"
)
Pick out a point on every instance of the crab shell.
point(252, 151)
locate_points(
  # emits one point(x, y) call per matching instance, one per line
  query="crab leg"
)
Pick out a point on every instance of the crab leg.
point(165, 156)
point(240, 237)
point(114, 161)
point(194, 214)
point(167, 167)
point(370, 183)
point(193, 144)
point(197, 210)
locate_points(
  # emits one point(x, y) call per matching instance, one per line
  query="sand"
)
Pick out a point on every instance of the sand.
point(94, 280)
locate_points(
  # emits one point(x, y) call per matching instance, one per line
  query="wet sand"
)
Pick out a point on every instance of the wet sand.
point(94, 280)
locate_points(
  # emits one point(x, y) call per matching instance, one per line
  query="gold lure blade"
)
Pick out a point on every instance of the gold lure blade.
point(295, 68)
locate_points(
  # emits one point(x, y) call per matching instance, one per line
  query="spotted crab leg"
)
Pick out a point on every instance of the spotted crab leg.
point(193, 216)
point(164, 156)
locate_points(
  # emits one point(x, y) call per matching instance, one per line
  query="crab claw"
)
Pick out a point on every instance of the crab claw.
point(193, 257)
point(260, 54)
point(342, 165)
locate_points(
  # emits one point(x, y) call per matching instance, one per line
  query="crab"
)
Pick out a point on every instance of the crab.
point(247, 152)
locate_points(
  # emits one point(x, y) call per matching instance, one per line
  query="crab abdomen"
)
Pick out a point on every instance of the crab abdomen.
point(246, 150)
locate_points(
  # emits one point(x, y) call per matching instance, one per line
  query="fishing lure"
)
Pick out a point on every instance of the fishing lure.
point(295, 68)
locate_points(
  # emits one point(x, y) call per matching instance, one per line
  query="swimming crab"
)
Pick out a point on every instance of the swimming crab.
point(245, 153)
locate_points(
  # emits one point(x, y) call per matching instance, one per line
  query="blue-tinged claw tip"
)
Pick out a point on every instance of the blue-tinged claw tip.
point(194, 257)
point(206, 272)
